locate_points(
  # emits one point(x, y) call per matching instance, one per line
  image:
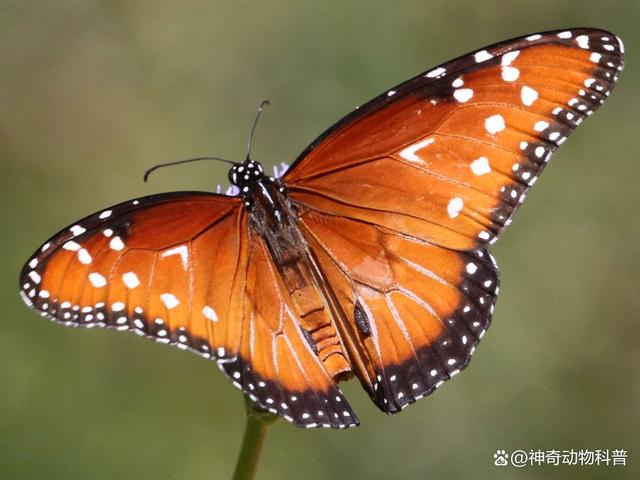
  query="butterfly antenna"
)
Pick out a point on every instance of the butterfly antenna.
point(179, 162)
point(263, 104)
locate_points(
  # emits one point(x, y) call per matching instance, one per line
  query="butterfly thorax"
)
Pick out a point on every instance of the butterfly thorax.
point(271, 214)
point(273, 217)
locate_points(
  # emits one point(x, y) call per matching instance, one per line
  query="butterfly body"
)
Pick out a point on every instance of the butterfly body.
point(275, 219)
point(368, 258)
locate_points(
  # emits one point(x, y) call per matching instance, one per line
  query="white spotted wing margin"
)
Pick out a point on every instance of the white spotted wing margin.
point(398, 384)
point(177, 268)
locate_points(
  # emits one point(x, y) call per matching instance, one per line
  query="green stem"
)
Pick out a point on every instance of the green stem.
point(255, 432)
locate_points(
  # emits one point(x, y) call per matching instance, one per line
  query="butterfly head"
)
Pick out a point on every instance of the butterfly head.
point(244, 174)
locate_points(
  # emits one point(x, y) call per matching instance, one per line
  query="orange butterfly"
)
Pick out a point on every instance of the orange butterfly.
point(367, 258)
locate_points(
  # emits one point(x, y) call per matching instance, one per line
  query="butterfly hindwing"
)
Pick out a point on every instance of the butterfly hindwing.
point(413, 312)
point(268, 357)
point(449, 155)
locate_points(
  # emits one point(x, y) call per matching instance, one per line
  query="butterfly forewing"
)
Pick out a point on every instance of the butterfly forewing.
point(449, 155)
point(133, 267)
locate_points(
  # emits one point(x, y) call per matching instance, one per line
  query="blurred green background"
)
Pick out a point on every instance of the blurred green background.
point(92, 93)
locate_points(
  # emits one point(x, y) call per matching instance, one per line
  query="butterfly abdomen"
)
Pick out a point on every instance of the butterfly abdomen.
point(277, 224)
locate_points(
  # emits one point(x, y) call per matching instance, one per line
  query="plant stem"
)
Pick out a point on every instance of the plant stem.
point(258, 421)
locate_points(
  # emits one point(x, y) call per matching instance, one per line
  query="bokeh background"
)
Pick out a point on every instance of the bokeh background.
point(94, 92)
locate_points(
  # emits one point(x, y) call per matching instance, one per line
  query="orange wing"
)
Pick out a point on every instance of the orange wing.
point(131, 266)
point(179, 268)
point(449, 155)
point(414, 312)
point(399, 198)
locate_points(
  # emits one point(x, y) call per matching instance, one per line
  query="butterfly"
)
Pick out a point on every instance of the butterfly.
point(367, 258)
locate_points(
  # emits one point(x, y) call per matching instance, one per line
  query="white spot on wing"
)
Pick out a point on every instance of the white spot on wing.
point(480, 166)
point(540, 125)
point(463, 94)
point(510, 74)
point(528, 95)
point(97, 280)
point(210, 313)
point(84, 257)
point(77, 230)
point(117, 306)
point(509, 57)
point(583, 41)
point(435, 72)
point(169, 299)
point(409, 153)
point(494, 124)
point(482, 56)
point(105, 214)
point(71, 246)
point(131, 280)
point(454, 207)
point(116, 244)
point(182, 250)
